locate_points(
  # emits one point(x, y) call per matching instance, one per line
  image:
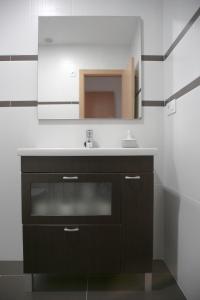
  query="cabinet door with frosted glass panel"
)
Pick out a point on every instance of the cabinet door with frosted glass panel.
point(71, 198)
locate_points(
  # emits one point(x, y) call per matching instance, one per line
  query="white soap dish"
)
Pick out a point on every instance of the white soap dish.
point(129, 143)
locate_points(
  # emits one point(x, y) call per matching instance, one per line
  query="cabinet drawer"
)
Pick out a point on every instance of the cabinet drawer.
point(87, 249)
point(84, 164)
point(71, 198)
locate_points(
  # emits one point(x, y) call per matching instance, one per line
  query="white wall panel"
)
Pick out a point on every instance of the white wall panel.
point(18, 80)
point(183, 64)
point(153, 80)
point(181, 149)
point(177, 14)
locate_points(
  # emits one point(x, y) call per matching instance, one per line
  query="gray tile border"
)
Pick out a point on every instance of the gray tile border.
point(31, 103)
point(183, 33)
point(153, 103)
point(24, 57)
point(186, 89)
point(152, 57)
point(5, 103)
point(18, 57)
point(24, 103)
point(56, 102)
point(4, 58)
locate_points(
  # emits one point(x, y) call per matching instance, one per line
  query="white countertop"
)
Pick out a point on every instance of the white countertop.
point(86, 151)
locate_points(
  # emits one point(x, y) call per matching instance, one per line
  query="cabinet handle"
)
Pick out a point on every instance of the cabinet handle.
point(132, 177)
point(70, 178)
point(71, 229)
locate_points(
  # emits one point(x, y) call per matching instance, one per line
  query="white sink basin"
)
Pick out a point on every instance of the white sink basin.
point(86, 151)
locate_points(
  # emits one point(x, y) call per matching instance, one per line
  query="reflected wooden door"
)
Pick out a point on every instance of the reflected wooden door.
point(128, 91)
point(99, 104)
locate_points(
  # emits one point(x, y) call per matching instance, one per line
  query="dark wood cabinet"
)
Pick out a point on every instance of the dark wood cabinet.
point(84, 249)
point(87, 215)
point(137, 222)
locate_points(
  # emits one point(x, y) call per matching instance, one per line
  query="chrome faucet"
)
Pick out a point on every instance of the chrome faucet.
point(89, 143)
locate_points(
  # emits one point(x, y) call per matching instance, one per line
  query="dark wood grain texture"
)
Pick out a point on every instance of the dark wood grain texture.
point(118, 243)
point(87, 164)
point(29, 178)
point(93, 249)
point(137, 223)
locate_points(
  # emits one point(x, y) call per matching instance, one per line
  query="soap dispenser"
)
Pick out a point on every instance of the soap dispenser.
point(129, 141)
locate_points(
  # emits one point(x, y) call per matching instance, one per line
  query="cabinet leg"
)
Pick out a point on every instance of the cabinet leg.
point(28, 281)
point(148, 282)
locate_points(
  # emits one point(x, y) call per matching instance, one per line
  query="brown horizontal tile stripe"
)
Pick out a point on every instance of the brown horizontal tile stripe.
point(5, 103)
point(4, 58)
point(186, 89)
point(23, 103)
point(152, 57)
point(153, 103)
point(183, 33)
point(56, 102)
point(27, 103)
point(18, 57)
point(24, 57)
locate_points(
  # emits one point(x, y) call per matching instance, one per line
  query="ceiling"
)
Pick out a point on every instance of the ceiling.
point(96, 30)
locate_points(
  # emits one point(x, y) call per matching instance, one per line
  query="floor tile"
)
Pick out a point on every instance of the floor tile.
point(13, 288)
point(117, 283)
point(54, 287)
point(55, 282)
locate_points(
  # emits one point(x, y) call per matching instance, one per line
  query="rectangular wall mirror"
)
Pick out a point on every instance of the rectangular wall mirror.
point(89, 67)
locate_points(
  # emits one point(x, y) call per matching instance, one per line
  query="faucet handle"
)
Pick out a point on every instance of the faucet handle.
point(89, 134)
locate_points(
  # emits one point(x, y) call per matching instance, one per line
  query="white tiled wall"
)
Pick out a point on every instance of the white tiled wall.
point(181, 150)
point(20, 126)
point(177, 13)
point(182, 65)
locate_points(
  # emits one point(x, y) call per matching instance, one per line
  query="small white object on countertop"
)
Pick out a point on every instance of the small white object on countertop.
point(129, 141)
point(86, 151)
point(129, 135)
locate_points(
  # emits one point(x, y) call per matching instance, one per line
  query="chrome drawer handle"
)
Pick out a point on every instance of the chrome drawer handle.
point(70, 178)
point(71, 229)
point(133, 177)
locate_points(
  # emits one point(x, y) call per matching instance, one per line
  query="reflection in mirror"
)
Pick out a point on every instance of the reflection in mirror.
point(89, 67)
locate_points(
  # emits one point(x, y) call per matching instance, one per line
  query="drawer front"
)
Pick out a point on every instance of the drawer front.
point(72, 249)
point(87, 164)
point(78, 198)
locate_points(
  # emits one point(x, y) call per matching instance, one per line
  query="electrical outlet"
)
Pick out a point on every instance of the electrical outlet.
point(72, 74)
point(171, 107)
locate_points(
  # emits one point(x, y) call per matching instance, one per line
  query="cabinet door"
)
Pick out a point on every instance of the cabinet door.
point(43, 249)
point(105, 249)
point(137, 222)
point(86, 198)
point(72, 249)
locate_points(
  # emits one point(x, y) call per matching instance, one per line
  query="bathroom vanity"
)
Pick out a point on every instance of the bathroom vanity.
point(87, 211)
